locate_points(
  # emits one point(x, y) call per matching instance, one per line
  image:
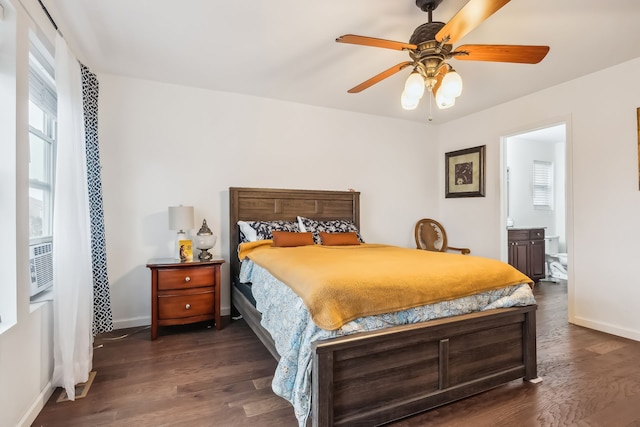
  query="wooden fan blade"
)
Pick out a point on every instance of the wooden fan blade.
point(502, 53)
point(374, 42)
point(468, 18)
point(377, 78)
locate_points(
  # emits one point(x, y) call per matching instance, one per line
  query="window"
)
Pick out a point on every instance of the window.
point(42, 153)
point(42, 146)
point(542, 185)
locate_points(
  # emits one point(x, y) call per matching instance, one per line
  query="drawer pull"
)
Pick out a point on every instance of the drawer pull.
point(188, 306)
point(187, 279)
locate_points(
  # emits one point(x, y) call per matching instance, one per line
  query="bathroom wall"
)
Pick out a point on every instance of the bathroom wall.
point(545, 145)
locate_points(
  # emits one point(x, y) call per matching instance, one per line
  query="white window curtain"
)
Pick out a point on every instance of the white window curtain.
point(73, 277)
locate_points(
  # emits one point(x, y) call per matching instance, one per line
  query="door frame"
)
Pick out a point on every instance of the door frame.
point(555, 121)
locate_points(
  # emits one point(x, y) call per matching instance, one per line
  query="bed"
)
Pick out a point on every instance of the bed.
point(371, 378)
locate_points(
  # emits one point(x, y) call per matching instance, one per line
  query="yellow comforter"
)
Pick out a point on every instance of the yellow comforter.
point(341, 283)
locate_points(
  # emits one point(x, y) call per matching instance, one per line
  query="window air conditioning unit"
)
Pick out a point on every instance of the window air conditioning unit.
point(41, 267)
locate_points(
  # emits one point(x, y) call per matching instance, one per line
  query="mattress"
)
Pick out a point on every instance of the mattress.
point(245, 289)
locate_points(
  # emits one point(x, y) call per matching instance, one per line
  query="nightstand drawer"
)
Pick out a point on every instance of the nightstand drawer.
point(180, 278)
point(185, 305)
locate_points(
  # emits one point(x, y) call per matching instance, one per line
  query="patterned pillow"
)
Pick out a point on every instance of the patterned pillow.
point(332, 226)
point(250, 231)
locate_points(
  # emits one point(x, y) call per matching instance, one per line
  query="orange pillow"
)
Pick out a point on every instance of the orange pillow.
point(286, 239)
point(339, 239)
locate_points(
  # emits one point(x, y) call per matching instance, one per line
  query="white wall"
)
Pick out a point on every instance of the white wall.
point(142, 139)
point(521, 152)
point(603, 198)
point(164, 145)
point(26, 333)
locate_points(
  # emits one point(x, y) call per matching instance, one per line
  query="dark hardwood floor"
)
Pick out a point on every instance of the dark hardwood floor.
point(194, 376)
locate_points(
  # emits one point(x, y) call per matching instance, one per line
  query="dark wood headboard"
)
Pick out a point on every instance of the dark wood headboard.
point(268, 204)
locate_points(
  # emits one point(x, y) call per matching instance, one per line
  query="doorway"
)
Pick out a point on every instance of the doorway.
point(535, 191)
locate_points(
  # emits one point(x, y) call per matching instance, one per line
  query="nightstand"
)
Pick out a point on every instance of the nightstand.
point(184, 292)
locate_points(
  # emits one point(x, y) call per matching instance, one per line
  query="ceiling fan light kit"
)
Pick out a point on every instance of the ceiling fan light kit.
point(413, 91)
point(443, 101)
point(409, 103)
point(452, 84)
point(431, 45)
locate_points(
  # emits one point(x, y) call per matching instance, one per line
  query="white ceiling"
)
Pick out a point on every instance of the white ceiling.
point(285, 49)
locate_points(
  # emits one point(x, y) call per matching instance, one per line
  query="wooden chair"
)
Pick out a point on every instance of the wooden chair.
point(430, 236)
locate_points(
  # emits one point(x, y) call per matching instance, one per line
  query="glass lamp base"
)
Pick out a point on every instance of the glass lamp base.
point(205, 255)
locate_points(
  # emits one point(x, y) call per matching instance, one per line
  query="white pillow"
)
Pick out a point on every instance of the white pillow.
point(301, 225)
point(249, 232)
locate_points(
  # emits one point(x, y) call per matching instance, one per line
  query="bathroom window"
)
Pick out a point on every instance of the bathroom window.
point(542, 185)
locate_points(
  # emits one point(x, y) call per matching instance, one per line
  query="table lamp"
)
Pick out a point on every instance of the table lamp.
point(205, 240)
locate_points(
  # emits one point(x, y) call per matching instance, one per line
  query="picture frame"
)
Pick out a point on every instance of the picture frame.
point(464, 172)
point(185, 250)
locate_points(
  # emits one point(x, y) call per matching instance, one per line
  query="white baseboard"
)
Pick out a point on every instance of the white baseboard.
point(134, 322)
point(29, 417)
point(607, 328)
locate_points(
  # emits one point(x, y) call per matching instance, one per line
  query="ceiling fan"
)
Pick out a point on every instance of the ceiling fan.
point(431, 45)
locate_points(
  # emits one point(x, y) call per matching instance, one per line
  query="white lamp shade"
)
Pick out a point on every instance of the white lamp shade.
point(451, 85)
point(444, 101)
point(414, 86)
point(181, 218)
point(408, 102)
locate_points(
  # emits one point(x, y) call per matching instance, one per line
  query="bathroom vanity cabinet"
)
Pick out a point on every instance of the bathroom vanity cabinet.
point(526, 251)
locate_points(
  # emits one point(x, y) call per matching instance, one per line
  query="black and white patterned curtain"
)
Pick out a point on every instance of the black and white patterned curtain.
point(102, 317)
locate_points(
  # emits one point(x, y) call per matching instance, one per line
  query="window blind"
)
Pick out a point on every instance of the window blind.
point(542, 184)
point(42, 85)
point(41, 92)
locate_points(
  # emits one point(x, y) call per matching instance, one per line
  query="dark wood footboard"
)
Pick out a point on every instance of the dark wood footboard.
point(371, 378)
point(376, 377)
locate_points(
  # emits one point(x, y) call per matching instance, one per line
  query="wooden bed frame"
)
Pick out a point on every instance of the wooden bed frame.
point(376, 377)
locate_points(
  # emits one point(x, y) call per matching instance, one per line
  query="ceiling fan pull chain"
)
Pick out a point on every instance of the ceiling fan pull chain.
point(430, 104)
